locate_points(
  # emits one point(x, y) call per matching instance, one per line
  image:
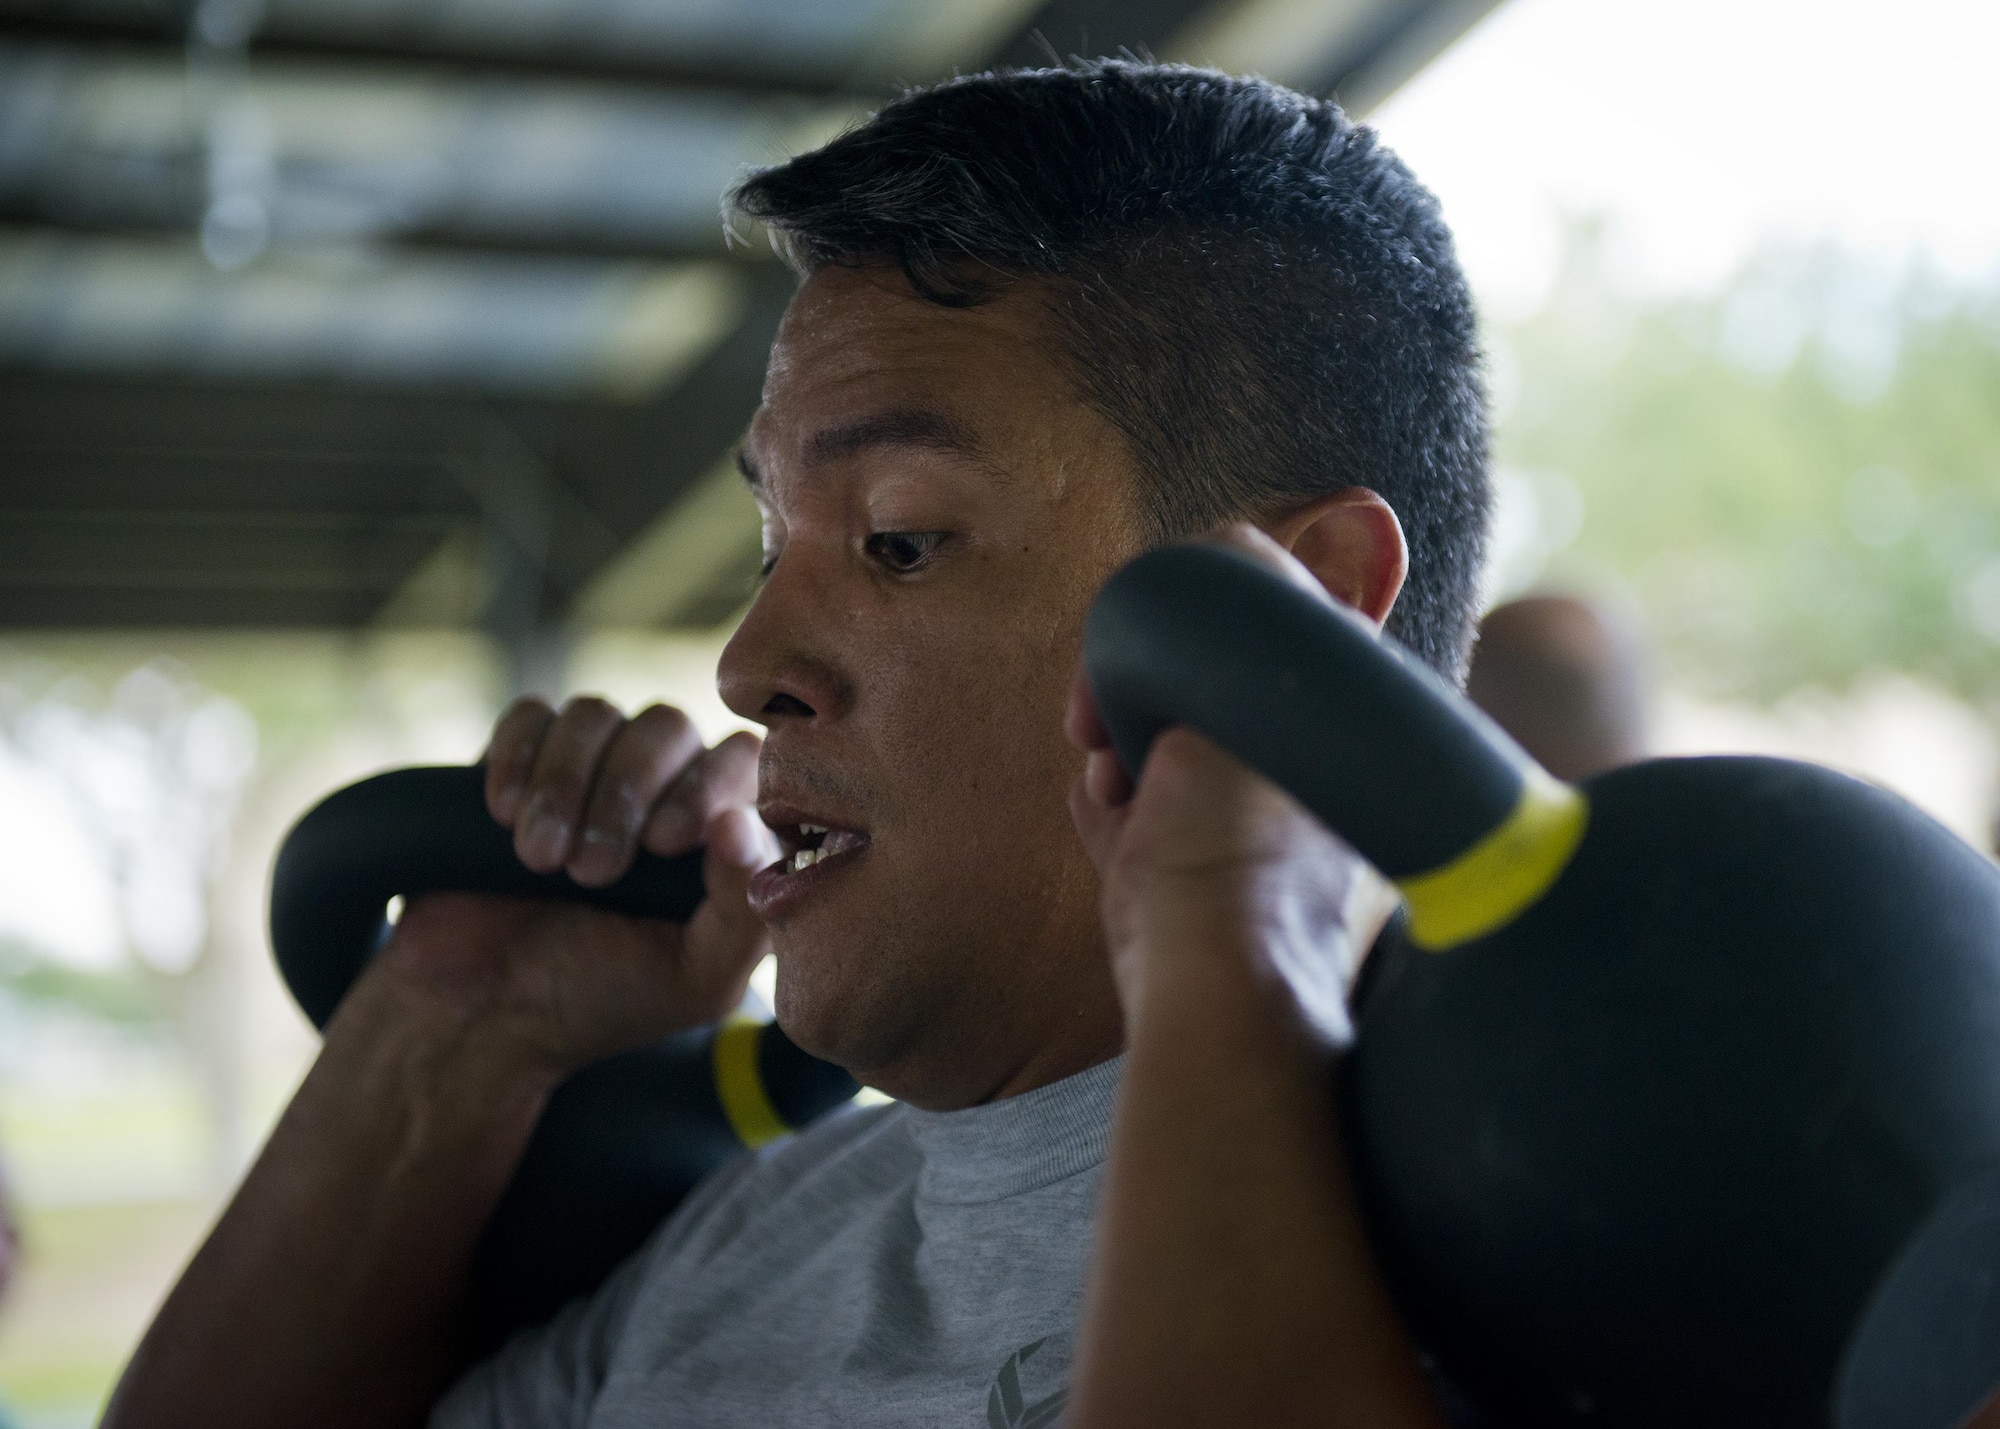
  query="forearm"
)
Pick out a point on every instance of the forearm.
point(327, 1292)
point(1232, 1282)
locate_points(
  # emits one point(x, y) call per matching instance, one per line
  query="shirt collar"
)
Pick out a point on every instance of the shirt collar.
point(1017, 1144)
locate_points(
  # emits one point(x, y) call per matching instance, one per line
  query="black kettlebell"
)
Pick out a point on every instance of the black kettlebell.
point(620, 1143)
point(1676, 1099)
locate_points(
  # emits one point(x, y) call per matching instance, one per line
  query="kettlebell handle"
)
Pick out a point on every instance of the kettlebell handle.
point(1384, 751)
point(412, 831)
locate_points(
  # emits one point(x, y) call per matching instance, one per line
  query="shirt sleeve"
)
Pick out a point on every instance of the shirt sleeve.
point(550, 1377)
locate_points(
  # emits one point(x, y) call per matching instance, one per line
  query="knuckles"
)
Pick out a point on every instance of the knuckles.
point(1183, 763)
point(663, 723)
point(589, 767)
point(1196, 804)
point(588, 714)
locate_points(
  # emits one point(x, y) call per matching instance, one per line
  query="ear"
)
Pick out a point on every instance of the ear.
point(1353, 544)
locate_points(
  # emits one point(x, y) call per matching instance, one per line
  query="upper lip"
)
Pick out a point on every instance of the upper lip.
point(784, 819)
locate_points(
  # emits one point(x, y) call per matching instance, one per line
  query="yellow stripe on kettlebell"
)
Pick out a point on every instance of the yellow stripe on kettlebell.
point(738, 1087)
point(1498, 877)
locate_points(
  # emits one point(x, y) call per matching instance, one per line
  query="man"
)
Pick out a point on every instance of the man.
point(1047, 320)
point(1565, 678)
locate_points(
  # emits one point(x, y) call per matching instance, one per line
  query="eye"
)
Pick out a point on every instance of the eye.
point(904, 552)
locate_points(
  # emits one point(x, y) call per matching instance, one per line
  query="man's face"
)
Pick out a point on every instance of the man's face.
point(939, 508)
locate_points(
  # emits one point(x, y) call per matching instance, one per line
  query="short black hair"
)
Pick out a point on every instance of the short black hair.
point(1249, 285)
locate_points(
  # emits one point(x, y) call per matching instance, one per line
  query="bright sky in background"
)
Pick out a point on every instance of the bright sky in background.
point(1704, 128)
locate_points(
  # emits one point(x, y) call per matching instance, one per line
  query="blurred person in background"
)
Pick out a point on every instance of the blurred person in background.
point(1567, 679)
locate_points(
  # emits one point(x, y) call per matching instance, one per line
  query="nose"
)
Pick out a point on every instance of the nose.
point(781, 665)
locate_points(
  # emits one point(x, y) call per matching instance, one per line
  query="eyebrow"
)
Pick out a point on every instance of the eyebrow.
point(898, 427)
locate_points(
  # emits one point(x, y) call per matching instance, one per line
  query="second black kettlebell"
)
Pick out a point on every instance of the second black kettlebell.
point(1676, 1100)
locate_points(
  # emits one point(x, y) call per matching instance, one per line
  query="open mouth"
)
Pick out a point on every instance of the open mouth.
point(814, 851)
point(807, 844)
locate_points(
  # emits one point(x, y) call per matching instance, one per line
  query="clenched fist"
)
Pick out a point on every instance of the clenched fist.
point(583, 789)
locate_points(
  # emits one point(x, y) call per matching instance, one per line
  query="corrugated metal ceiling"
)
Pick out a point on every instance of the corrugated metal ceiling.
point(301, 301)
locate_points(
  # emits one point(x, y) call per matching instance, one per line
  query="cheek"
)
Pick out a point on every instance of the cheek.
point(971, 720)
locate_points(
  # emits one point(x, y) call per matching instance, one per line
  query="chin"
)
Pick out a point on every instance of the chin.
point(836, 998)
point(845, 989)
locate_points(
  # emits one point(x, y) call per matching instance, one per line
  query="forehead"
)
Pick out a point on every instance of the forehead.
point(861, 339)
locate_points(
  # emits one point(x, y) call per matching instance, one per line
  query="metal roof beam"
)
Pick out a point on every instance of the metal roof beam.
point(22, 216)
point(1061, 28)
point(110, 468)
point(146, 35)
point(161, 501)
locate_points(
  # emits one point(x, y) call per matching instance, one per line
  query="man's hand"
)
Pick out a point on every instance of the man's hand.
point(1231, 1281)
point(583, 790)
point(328, 1293)
point(1205, 859)
point(586, 788)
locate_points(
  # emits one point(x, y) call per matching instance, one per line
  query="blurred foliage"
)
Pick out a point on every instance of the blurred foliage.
point(300, 687)
point(154, 741)
point(124, 995)
point(1798, 475)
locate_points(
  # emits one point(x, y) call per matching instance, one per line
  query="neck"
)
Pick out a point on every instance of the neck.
point(973, 1062)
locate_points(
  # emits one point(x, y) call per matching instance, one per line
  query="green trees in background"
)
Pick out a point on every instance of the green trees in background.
point(1798, 475)
point(177, 770)
point(121, 996)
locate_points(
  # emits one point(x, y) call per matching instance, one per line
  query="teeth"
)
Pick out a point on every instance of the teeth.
point(831, 843)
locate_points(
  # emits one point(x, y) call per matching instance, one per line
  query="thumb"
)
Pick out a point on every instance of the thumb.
point(725, 939)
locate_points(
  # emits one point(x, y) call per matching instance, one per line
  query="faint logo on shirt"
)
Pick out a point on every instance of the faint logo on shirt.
point(1028, 1393)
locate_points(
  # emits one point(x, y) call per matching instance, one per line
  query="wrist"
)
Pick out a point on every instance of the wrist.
point(1209, 980)
point(437, 1068)
point(1171, 921)
point(1295, 943)
point(1270, 971)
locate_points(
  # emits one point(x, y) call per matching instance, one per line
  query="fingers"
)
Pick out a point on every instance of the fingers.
point(584, 789)
point(1098, 825)
point(1193, 796)
point(1199, 780)
point(1082, 723)
point(725, 939)
point(642, 760)
point(1098, 798)
point(1104, 778)
point(559, 788)
point(724, 777)
point(510, 755)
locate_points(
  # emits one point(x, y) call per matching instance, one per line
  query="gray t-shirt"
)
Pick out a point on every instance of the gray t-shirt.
point(886, 1267)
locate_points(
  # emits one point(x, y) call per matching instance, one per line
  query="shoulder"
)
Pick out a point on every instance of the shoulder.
point(800, 1187)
